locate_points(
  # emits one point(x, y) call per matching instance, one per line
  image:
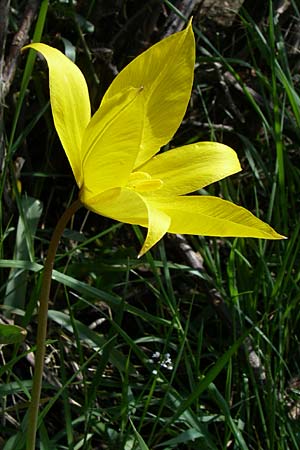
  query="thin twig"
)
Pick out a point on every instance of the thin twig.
point(4, 13)
point(175, 23)
point(18, 42)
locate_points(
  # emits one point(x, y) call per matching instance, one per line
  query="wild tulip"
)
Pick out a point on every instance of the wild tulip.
point(114, 157)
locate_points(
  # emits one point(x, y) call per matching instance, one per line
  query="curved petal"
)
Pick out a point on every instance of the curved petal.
point(121, 204)
point(111, 142)
point(70, 103)
point(192, 167)
point(212, 216)
point(158, 225)
point(165, 71)
point(128, 206)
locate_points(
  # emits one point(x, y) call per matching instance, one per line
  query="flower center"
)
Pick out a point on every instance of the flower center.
point(143, 182)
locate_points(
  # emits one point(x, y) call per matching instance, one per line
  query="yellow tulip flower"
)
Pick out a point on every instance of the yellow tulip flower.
point(114, 157)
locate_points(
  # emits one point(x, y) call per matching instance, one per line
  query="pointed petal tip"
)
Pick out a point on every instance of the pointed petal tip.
point(278, 236)
point(145, 248)
point(272, 234)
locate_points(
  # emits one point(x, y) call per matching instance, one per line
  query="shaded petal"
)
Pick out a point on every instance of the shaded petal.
point(165, 71)
point(192, 167)
point(111, 142)
point(70, 103)
point(121, 204)
point(128, 206)
point(212, 216)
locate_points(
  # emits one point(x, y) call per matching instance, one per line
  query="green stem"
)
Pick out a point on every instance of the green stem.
point(42, 325)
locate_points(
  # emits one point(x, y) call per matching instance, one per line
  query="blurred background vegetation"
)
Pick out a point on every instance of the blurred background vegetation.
point(195, 345)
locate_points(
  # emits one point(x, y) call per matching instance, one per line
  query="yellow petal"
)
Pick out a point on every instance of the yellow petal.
point(70, 103)
point(165, 71)
point(111, 142)
point(158, 225)
point(211, 216)
point(128, 206)
point(191, 167)
point(122, 204)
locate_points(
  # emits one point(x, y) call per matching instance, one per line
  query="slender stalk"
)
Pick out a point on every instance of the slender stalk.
point(42, 324)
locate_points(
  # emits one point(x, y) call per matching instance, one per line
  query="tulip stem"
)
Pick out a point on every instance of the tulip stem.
point(42, 325)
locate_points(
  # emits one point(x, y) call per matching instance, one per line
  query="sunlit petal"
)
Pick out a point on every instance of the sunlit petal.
point(211, 216)
point(191, 167)
point(111, 141)
point(165, 71)
point(69, 102)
